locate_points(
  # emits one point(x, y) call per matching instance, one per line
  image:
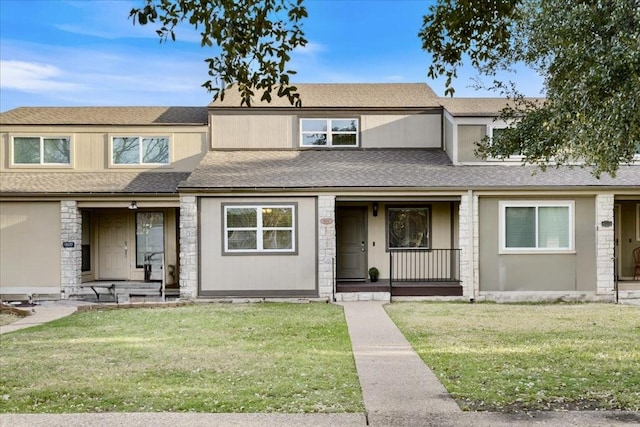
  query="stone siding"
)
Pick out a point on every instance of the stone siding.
point(326, 245)
point(605, 240)
point(71, 257)
point(188, 247)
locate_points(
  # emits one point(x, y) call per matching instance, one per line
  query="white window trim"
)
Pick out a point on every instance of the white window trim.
point(259, 229)
point(536, 203)
point(329, 132)
point(42, 163)
point(512, 158)
point(140, 152)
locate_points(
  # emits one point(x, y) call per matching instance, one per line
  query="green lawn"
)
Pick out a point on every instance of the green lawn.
point(524, 357)
point(201, 358)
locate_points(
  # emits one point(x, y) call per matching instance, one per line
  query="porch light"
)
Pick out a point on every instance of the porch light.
point(375, 208)
point(133, 206)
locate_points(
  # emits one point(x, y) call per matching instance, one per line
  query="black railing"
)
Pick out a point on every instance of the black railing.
point(424, 265)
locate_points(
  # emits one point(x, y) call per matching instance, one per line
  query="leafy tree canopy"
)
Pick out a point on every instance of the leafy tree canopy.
point(588, 52)
point(255, 38)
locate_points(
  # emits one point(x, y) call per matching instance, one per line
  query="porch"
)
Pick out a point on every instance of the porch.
point(410, 242)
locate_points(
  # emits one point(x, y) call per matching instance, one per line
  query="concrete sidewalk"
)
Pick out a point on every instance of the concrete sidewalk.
point(44, 312)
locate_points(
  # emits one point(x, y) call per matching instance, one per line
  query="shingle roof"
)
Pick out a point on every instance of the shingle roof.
point(476, 107)
point(105, 116)
point(90, 182)
point(343, 95)
point(379, 168)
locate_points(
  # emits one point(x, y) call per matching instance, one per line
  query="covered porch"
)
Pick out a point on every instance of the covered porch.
point(410, 242)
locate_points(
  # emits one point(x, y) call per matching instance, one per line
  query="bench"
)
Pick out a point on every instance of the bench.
point(95, 287)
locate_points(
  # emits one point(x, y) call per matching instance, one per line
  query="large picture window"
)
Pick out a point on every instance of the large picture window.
point(329, 132)
point(408, 227)
point(259, 228)
point(536, 226)
point(140, 150)
point(39, 150)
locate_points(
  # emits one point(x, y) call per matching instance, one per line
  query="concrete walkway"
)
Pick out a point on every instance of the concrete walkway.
point(394, 380)
point(397, 387)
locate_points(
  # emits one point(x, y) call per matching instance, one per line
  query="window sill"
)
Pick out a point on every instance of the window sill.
point(537, 252)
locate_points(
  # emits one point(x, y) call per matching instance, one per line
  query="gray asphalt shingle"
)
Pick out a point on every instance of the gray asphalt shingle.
point(91, 182)
point(381, 168)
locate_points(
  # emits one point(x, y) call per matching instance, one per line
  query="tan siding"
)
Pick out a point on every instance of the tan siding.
point(537, 272)
point(400, 131)
point(91, 149)
point(30, 245)
point(260, 274)
point(468, 135)
point(256, 131)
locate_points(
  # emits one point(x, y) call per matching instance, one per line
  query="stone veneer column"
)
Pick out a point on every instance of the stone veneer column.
point(188, 247)
point(326, 244)
point(465, 236)
point(70, 257)
point(605, 240)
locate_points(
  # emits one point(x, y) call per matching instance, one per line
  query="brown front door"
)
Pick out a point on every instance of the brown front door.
point(351, 244)
point(113, 245)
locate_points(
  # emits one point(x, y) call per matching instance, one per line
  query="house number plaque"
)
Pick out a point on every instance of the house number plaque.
point(68, 244)
point(326, 221)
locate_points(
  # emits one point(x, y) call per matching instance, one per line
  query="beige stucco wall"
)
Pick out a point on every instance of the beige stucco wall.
point(90, 148)
point(468, 136)
point(257, 275)
point(282, 131)
point(30, 247)
point(537, 272)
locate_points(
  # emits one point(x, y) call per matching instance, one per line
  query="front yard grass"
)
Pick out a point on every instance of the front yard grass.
point(202, 358)
point(529, 357)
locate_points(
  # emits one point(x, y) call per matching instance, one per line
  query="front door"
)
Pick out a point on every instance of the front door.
point(351, 244)
point(113, 245)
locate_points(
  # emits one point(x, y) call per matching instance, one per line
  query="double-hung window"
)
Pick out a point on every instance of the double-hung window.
point(41, 150)
point(537, 226)
point(408, 227)
point(329, 132)
point(259, 228)
point(140, 150)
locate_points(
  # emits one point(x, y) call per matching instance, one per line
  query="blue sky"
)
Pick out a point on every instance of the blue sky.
point(87, 52)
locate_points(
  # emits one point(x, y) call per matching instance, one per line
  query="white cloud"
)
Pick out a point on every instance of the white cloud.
point(33, 77)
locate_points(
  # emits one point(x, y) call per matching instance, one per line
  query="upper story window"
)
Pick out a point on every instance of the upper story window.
point(329, 132)
point(496, 130)
point(259, 229)
point(140, 150)
point(536, 226)
point(40, 150)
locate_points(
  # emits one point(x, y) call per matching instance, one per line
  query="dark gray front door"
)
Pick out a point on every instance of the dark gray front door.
point(351, 244)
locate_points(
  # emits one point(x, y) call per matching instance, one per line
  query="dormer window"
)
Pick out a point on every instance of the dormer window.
point(329, 132)
point(140, 150)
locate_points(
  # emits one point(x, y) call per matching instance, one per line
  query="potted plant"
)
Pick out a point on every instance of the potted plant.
point(373, 274)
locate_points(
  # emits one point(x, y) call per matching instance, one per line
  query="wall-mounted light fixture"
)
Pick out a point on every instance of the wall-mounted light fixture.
point(133, 206)
point(375, 208)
